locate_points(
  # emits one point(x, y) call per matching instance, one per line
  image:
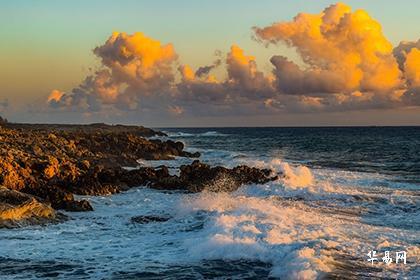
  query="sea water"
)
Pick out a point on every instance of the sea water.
point(345, 193)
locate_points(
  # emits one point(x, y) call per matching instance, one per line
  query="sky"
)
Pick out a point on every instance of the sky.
point(211, 63)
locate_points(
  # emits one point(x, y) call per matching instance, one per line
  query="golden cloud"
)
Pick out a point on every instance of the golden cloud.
point(345, 48)
point(347, 64)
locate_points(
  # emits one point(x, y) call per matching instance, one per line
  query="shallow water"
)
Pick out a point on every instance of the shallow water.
point(321, 220)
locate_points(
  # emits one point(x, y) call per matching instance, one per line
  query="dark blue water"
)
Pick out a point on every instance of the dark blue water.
point(386, 150)
point(341, 193)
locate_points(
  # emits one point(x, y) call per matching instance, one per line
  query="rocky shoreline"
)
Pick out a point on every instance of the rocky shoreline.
point(43, 166)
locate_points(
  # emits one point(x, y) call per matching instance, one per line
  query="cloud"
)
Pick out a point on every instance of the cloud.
point(205, 70)
point(408, 58)
point(346, 63)
point(55, 95)
point(139, 61)
point(175, 110)
point(400, 52)
point(290, 79)
point(412, 67)
point(244, 76)
point(412, 73)
point(133, 67)
point(187, 73)
point(243, 85)
point(343, 51)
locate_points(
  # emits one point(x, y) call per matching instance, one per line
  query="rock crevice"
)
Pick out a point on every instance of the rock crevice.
point(44, 166)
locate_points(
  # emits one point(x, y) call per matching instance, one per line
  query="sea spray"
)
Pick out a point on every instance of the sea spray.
point(325, 226)
point(246, 227)
point(294, 176)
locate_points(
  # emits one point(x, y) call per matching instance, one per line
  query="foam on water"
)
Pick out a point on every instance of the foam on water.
point(203, 134)
point(295, 231)
point(307, 224)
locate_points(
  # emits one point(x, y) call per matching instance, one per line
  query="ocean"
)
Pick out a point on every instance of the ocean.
point(350, 197)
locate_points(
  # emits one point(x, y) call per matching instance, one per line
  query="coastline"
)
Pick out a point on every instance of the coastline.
point(190, 215)
point(44, 165)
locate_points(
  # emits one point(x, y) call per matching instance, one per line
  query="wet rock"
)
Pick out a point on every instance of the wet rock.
point(194, 155)
point(198, 176)
point(54, 162)
point(149, 219)
point(18, 209)
point(96, 181)
point(78, 206)
point(59, 198)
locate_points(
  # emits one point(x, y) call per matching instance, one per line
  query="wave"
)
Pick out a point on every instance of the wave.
point(210, 133)
point(289, 237)
point(302, 236)
point(308, 224)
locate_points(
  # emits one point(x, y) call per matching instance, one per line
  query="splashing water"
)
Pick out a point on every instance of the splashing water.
point(312, 222)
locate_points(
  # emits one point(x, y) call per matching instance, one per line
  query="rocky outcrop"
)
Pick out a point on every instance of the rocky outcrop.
point(87, 128)
point(18, 209)
point(198, 176)
point(59, 198)
point(56, 161)
point(194, 177)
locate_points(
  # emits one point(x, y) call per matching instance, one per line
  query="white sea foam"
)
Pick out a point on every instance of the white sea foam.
point(300, 240)
point(210, 133)
point(304, 224)
point(242, 227)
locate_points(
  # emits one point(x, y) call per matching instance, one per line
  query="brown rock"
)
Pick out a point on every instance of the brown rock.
point(59, 198)
point(52, 169)
point(55, 161)
point(18, 209)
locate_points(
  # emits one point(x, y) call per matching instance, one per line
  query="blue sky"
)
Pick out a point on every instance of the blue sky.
point(47, 44)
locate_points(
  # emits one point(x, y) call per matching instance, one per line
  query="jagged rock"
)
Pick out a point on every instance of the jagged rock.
point(198, 176)
point(55, 161)
point(52, 169)
point(59, 198)
point(195, 177)
point(105, 181)
point(18, 209)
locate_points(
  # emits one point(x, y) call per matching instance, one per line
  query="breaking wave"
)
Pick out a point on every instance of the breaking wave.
point(304, 225)
point(310, 223)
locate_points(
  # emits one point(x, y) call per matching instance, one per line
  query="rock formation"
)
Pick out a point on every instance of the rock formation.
point(17, 209)
point(43, 166)
point(198, 176)
point(55, 161)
